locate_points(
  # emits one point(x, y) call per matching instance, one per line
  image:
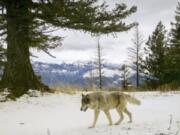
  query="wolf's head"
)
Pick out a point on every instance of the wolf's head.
point(85, 102)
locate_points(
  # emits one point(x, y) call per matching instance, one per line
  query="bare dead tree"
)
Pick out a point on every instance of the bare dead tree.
point(90, 78)
point(124, 70)
point(135, 52)
point(99, 65)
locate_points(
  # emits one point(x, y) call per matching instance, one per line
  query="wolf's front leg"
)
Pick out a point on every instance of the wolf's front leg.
point(96, 114)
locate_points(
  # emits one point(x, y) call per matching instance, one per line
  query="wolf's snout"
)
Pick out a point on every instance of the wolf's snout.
point(83, 109)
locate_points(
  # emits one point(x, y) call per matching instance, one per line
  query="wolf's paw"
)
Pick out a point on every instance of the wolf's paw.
point(117, 123)
point(130, 121)
point(91, 127)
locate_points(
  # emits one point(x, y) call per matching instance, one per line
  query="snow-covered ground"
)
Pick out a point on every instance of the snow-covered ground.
point(59, 114)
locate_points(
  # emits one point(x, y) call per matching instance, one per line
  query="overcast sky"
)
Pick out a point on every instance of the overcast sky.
point(78, 46)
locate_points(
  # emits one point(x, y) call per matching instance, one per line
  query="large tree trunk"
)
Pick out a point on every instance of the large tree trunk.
point(18, 73)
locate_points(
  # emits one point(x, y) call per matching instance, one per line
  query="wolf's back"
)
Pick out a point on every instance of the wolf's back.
point(132, 100)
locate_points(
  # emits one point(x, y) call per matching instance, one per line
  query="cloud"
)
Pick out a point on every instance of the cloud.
point(78, 41)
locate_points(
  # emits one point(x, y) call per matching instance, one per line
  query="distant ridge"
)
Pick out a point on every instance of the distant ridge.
point(78, 74)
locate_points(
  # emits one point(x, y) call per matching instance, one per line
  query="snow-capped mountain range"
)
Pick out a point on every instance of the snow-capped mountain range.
point(79, 74)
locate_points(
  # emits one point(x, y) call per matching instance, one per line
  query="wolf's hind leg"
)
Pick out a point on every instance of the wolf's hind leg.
point(120, 112)
point(96, 114)
point(129, 114)
point(108, 117)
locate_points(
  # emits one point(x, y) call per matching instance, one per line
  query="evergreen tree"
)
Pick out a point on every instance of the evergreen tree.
point(26, 24)
point(155, 50)
point(174, 50)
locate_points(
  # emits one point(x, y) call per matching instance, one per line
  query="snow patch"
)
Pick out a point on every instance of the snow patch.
point(4, 94)
point(59, 114)
point(59, 71)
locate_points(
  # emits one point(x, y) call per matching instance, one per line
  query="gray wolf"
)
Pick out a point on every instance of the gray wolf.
point(105, 101)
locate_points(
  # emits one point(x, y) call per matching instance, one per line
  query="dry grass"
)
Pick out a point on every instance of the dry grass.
point(66, 89)
point(76, 89)
point(168, 87)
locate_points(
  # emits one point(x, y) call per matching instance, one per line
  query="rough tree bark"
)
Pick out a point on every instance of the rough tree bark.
point(18, 64)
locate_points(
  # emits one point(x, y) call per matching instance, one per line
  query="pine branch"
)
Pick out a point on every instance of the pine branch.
point(82, 15)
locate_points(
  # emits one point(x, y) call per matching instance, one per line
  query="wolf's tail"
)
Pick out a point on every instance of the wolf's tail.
point(133, 100)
